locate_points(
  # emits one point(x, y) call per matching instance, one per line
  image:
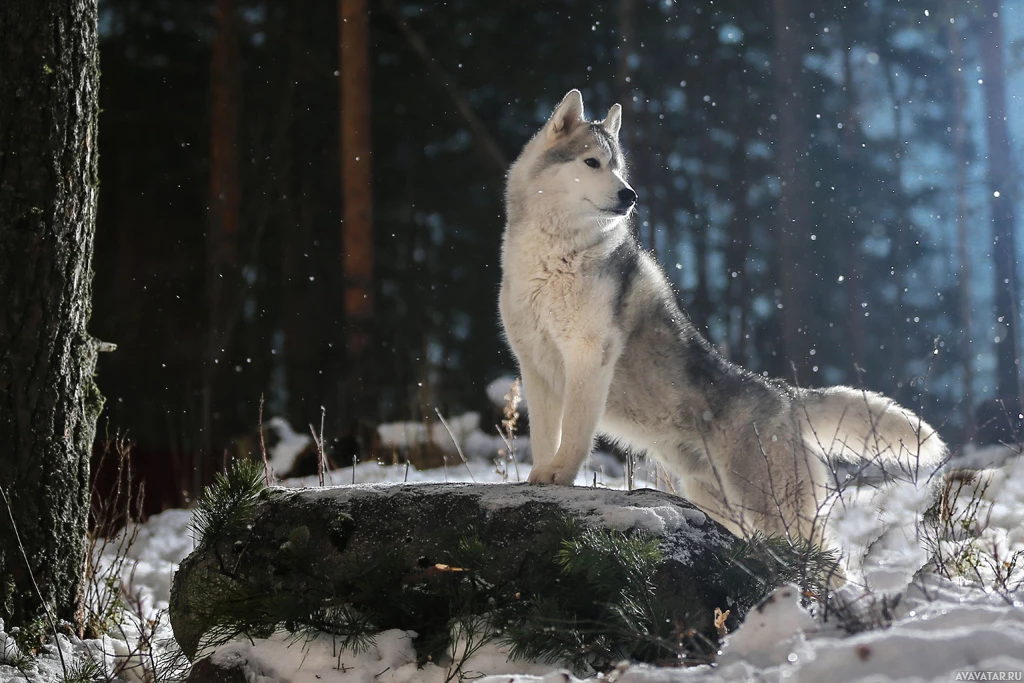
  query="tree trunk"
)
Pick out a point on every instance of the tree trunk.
point(222, 263)
point(955, 38)
point(49, 80)
point(793, 219)
point(701, 308)
point(848, 150)
point(628, 136)
point(357, 202)
point(896, 229)
point(737, 300)
point(1002, 180)
point(487, 147)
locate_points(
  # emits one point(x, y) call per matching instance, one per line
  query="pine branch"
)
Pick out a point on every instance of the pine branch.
point(227, 505)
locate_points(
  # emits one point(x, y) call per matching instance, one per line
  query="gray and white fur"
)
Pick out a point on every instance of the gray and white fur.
point(603, 347)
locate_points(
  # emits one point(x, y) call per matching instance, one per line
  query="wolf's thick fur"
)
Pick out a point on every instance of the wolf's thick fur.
point(603, 347)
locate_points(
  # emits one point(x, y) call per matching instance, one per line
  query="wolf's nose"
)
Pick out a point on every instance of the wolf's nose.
point(627, 197)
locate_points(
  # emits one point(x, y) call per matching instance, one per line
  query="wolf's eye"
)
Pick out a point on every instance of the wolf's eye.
point(592, 162)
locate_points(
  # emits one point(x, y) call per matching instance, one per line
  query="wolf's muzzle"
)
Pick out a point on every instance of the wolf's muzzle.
point(627, 198)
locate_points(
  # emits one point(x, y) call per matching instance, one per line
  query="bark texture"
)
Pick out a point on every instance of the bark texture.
point(223, 270)
point(1002, 197)
point(49, 81)
point(357, 200)
point(955, 38)
point(793, 215)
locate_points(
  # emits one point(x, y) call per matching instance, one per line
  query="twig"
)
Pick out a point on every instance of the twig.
point(318, 441)
point(321, 464)
point(455, 441)
point(510, 449)
point(263, 445)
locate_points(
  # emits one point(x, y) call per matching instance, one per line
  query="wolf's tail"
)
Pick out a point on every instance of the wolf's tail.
point(855, 425)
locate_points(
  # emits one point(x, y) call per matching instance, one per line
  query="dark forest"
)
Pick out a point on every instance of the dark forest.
point(833, 193)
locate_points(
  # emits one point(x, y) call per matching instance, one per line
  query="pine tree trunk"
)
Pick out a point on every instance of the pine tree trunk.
point(793, 220)
point(737, 248)
point(1002, 195)
point(357, 201)
point(894, 359)
point(49, 79)
point(222, 264)
point(956, 75)
point(628, 136)
point(848, 150)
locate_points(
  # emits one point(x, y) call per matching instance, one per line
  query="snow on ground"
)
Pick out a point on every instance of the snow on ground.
point(391, 659)
point(993, 455)
point(461, 433)
point(920, 626)
point(162, 542)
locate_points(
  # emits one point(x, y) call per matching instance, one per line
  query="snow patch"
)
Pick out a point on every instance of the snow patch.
point(499, 388)
point(762, 637)
point(391, 658)
point(411, 434)
point(163, 541)
point(656, 520)
point(939, 627)
point(465, 430)
point(282, 455)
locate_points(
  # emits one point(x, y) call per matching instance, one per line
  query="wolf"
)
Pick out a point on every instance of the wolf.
point(603, 347)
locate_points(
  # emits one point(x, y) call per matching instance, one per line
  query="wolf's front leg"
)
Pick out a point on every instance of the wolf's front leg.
point(588, 375)
point(544, 407)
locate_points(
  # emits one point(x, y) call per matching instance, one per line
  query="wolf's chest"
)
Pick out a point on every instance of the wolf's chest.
point(554, 299)
point(552, 308)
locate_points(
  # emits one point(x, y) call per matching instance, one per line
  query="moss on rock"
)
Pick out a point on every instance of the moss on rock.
point(587, 576)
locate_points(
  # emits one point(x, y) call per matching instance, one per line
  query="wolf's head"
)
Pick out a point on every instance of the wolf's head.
point(572, 169)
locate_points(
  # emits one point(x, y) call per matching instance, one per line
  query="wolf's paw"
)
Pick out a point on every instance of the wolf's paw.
point(552, 475)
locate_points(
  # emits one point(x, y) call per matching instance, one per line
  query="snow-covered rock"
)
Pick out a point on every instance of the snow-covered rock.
point(312, 542)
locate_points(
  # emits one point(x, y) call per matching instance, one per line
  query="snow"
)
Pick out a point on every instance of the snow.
point(499, 389)
point(942, 629)
point(463, 430)
point(654, 519)
point(476, 469)
point(162, 542)
point(979, 458)
point(406, 434)
point(778, 618)
point(390, 659)
point(112, 654)
point(282, 455)
point(918, 625)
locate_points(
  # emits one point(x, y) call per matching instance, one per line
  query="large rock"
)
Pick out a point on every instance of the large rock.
point(210, 670)
point(344, 547)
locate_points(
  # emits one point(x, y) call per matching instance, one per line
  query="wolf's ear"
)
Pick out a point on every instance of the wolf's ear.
point(613, 121)
point(568, 115)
